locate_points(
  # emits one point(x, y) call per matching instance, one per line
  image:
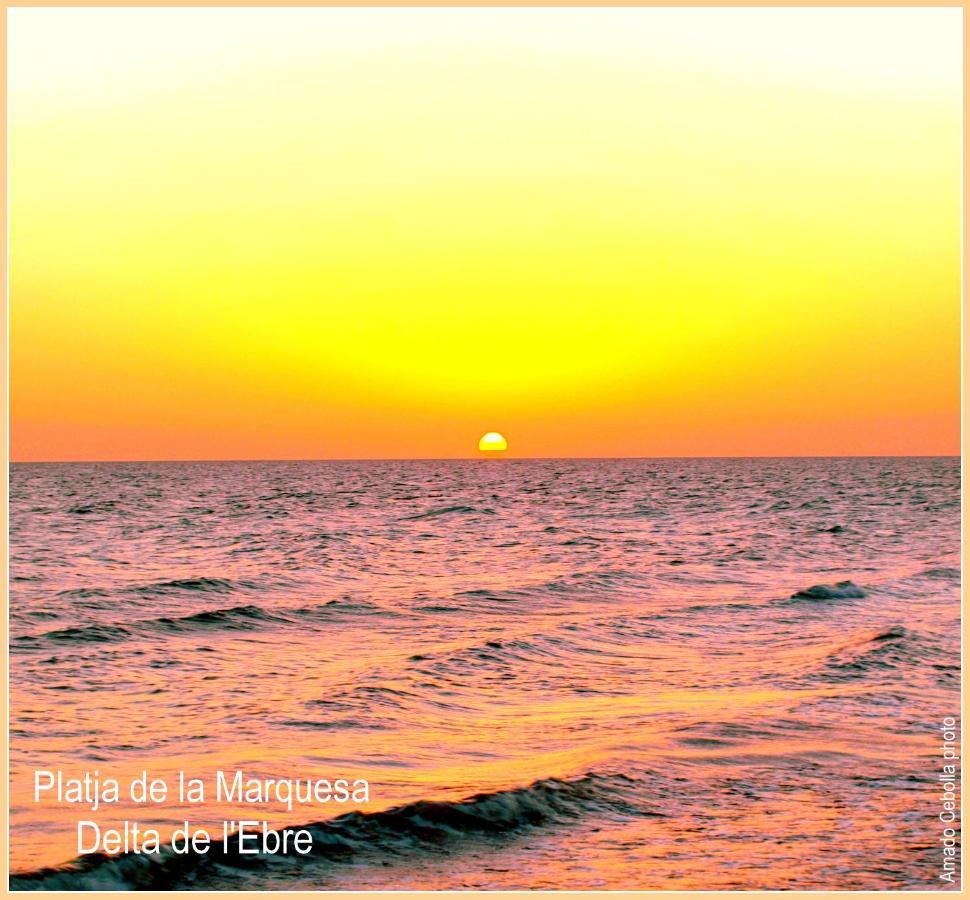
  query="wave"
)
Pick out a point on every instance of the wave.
point(945, 573)
point(843, 590)
point(197, 585)
point(200, 585)
point(84, 509)
point(885, 649)
point(414, 828)
point(546, 654)
point(445, 511)
point(232, 618)
point(87, 633)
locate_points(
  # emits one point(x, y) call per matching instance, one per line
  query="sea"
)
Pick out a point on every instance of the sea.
point(551, 674)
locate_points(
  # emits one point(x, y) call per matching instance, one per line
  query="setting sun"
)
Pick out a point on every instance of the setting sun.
point(493, 442)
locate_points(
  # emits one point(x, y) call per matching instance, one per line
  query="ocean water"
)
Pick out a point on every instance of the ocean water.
point(553, 673)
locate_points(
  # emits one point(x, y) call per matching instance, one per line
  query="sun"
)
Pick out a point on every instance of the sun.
point(492, 443)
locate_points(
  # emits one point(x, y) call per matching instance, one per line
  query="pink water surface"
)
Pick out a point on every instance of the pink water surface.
point(553, 673)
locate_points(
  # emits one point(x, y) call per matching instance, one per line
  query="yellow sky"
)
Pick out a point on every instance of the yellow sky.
point(266, 233)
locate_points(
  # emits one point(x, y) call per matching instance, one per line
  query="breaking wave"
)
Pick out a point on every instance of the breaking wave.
point(843, 590)
point(423, 826)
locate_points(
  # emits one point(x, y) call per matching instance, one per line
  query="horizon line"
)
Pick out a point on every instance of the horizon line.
point(481, 457)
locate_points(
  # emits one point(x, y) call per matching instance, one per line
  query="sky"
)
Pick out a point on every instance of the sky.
point(263, 233)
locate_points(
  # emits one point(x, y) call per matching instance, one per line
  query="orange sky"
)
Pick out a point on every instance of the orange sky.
point(266, 233)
